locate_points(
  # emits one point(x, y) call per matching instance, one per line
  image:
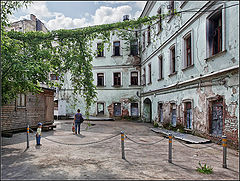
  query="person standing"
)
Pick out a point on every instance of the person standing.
point(39, 133)
point(78, 119)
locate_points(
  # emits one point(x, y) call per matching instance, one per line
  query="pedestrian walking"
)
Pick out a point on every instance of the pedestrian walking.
point(39, 134)
point(78, 119)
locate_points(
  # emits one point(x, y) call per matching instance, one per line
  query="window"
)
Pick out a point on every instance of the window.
point(134, 78)
point(54, 77)
point(160, 67)
point(173, 60)
point(160, 112)
point(188, 51)
point(134, 47)
point(100, 50)
point(215, 33)
point(143, 40)
point(117, 109)
point(100, 109)
point(116, 48)
point(149, 35)
point(149, 73)
point(159, 21)
point(21, 100)
point(100, 79)
point(117, 79)
point(173, 114)
point(188, 115)
point(144, 77)
point(134, 109)
point(171, 8)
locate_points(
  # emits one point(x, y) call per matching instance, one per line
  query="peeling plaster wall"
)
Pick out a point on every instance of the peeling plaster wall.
point(224, 83)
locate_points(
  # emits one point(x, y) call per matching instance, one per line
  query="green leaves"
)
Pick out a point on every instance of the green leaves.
point(204, 169)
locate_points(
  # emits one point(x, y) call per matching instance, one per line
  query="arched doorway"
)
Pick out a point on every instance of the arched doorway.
point(147, 110)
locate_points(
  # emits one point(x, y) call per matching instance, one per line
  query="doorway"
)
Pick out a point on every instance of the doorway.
point(100, 109)
point(147, 110)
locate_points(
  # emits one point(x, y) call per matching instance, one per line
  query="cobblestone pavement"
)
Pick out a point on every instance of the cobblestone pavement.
point(103, 160)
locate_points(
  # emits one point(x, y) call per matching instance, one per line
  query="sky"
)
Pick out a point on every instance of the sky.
point(75, 14)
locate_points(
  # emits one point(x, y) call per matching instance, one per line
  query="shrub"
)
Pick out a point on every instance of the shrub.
point(204, 169)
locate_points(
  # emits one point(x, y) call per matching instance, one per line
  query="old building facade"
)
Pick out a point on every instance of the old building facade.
point(190, 73)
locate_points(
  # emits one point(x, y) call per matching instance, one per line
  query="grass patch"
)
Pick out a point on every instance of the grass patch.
point(204, 168)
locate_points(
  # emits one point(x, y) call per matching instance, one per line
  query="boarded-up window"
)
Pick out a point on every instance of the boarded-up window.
point(100, 79)
point(215, 33)
point(116, 48)
point(21, 100)
point(134, 109)
point(134, 78)
point(100, 50)
point(117, 109)
point(117, 79)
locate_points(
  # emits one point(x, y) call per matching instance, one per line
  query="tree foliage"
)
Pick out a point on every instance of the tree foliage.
point(29, 57)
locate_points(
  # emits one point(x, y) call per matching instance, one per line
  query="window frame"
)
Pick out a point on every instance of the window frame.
point(144, 40)
point(131, 78)
point(103, 79)
point(171, 60)
point(149, 35)
point(135, 46)
point(100, 53)
point(149, 73)
point(21, 97)
point(160, 68)
point(114, 79)
point(184, 63)
point(144, 76)
point(114, 48)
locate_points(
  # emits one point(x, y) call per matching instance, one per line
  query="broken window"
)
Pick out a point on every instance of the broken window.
point(173, 60)
point(54, 77)
point(100, 79)
point(134, 109)
point(160, 112)
point(215, 33)
point(160, 67)
point(100, 109)
point(21, 100)
point(188, 51)
point(159, 20)
point(100, 50)
point(134, 78)
point(173, 114)
point(117, 109)
point(116, 48)
point(188, 115)
point(117, 79)
point(144, 76)
point(149, 73)
point(143, 40)
point(134, 47)
point(149, 35)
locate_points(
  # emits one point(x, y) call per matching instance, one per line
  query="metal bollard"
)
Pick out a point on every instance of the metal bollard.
point(28, 136)
point(170, 148)
point(224, 144)
point(122, 144)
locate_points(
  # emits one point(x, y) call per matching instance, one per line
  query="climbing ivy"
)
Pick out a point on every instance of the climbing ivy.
point(35, 54)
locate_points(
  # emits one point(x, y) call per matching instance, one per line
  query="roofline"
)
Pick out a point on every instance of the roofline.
point(144, 8)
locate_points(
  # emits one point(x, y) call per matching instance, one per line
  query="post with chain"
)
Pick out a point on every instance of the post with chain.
point(27, 136)
point(122, 144)
point(224, 144)
point(170, 148)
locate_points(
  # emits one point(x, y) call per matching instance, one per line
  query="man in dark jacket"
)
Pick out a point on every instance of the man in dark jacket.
point(78, 119)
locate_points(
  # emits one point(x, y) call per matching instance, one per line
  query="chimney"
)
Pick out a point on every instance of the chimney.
point(125, 17)
point(33, 17)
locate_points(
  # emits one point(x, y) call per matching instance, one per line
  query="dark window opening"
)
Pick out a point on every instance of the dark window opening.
point(149, 35)
point(149, 73)
point(117, 109)
point(160, 112)
point(100, 79)
point(143, 40)
point(134, 78)
point(54, 77)
point(188, 51)
point(134, 47)
point(100, 50)
point(215, 33)
point(188, 115)
point(116, 48)
point(117, 79)
point(173, 114)
point(144, 77)
point(159, 20)
point(160, 67)
point(173, 60)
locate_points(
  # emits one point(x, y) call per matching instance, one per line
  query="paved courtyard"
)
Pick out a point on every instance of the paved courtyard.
point(103, 160)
